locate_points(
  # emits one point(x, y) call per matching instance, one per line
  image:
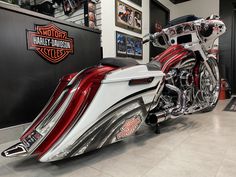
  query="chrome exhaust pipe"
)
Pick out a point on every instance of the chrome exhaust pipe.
point(155, 118)
point(181, 103)
point(175, 112)
point(177, 90)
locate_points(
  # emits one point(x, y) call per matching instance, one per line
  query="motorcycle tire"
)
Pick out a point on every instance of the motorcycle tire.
point(212, 107)
point(214, 66)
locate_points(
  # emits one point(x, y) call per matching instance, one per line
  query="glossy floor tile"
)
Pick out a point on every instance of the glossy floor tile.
point(198, 145)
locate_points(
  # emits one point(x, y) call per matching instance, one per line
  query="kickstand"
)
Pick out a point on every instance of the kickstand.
point(157, 131)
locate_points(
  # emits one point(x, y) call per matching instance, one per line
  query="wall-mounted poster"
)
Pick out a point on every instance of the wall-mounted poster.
point(128, 46)
point(138, 2)
point(91, 14)
point(128, 17)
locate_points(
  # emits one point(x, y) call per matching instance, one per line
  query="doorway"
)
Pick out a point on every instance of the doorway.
point(161, 15)
point(227, 43)
point(232, 76)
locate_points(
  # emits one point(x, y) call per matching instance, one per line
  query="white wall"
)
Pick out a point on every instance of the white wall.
point(109, 29)
point(201, 8)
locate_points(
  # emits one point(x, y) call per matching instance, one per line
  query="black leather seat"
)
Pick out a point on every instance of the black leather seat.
point(154, 66)
point(127, 62)
point(119, 62)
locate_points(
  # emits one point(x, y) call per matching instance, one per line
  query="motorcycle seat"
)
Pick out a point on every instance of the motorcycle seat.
point(154, 65)
point(119, 62)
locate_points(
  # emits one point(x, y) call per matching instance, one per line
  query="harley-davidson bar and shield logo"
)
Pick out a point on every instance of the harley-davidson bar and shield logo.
point(50, 42)
point(129, 127)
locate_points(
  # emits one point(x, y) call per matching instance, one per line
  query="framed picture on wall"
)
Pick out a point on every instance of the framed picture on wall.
point(138, 2)
point(128, 17)
point(121, 44)
point(128, 46)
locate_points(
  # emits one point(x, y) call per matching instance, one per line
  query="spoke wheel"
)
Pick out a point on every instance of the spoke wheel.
point(210, 89)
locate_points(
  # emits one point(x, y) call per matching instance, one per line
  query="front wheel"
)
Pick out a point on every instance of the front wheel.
point(210, 89)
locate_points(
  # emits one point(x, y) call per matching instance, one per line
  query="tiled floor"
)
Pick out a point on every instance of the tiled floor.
point(200, 145)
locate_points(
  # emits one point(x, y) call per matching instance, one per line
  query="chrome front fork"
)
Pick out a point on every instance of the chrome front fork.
point(205, 58)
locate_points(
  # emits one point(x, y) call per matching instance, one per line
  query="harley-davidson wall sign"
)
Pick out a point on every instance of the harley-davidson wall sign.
point(50, 42)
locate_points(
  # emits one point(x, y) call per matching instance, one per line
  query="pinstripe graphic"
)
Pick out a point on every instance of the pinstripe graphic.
point(172, 61)
point(170, 53)
point(189, 63)
point(174, 52)
point(163, 54)
point(172, 56)
point(104, 131)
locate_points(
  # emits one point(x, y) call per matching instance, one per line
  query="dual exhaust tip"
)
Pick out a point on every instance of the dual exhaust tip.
point(153, 119)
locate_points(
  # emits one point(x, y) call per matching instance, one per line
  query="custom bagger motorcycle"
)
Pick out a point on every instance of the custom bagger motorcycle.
point(107, 103)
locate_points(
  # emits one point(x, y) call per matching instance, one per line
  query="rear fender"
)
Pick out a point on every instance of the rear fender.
point(71, 98)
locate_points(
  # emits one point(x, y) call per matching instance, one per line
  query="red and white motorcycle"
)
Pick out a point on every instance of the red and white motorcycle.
point(109, 102)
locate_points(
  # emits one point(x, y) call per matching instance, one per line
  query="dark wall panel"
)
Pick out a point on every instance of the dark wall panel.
point(27, 80)
point(158, 14)
point(227, 42)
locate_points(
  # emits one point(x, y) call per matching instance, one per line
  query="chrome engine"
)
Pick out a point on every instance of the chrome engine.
point(178, 93)
point(180, 86)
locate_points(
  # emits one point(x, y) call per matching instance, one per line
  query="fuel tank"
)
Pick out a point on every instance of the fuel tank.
point(172, 56)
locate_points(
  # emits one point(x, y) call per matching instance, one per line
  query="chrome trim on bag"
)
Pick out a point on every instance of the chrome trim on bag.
point(59, 113)
point(18, 149)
